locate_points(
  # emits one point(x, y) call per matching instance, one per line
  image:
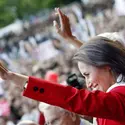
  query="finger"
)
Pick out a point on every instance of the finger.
point(55, 24)
point(67, 18)
point(3, 67)
point(67, 22)
point(3, 73)
point(55, 10)
point(61, 17)
point(3, 76)
point(64, 20)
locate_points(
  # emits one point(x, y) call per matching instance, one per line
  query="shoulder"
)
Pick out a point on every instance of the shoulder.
point(119, 88)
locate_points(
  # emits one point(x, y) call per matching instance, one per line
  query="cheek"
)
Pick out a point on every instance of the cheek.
point(94, 78)
point(101, 79)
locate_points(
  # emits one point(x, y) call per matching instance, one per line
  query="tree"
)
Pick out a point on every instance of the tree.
point(13, 9)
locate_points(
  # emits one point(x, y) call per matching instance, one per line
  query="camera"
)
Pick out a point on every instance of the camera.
point(75, 81)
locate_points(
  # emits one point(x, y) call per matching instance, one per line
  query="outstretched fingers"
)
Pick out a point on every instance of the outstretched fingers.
point(63, 28)
point(55, 24)
point(2, 67)
point(60, 14)
point(3, 72)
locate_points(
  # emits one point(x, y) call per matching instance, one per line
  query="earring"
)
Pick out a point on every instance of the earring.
point(120, 78)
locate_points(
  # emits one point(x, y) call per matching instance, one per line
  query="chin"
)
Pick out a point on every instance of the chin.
point(101, 89)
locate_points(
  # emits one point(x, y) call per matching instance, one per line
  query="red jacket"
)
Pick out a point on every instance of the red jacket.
point(109, 108)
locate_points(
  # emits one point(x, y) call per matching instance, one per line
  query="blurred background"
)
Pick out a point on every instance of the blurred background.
point(29, 44)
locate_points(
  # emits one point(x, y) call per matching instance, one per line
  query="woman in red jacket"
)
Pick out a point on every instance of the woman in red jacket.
point(102, 63)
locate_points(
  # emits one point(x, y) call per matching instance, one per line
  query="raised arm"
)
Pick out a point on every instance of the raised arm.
point(64, 29)
point(16, 78)
point(97, 104)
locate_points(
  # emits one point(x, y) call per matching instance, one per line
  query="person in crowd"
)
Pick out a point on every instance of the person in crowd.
point(3, 120)
point(52, 76)
point(27, 122)
point(102, 62)
point(41, 119)
point(57, 116)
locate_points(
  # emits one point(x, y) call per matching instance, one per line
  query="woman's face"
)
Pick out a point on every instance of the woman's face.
point(96, 78)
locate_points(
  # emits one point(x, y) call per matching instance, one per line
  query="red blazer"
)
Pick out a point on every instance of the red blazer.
point(109, 108)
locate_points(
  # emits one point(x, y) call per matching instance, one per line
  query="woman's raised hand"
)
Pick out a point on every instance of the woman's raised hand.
point(63, 29)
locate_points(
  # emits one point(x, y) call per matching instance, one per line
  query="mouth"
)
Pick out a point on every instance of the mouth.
point(95, 87)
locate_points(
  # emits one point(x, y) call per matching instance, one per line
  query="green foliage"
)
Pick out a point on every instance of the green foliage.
point(13, 9)
point(6, 17)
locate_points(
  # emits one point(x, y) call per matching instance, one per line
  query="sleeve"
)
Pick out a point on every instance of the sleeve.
point(97, 104)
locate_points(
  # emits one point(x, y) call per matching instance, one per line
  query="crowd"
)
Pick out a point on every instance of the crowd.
point(37, 53)
point(19, 108)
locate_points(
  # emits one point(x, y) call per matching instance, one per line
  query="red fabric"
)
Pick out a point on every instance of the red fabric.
point(41, 119)
point(98, 104)
point(52, 76)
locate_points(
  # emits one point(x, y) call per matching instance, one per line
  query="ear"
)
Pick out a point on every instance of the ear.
point(73, 116)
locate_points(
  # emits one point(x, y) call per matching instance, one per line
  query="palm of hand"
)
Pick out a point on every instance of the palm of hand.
point(64, 30)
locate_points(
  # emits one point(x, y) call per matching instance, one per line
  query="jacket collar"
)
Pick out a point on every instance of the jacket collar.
point(120, 82)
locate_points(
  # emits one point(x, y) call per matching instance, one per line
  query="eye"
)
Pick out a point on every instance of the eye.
point(83, 76)
point(86, 74)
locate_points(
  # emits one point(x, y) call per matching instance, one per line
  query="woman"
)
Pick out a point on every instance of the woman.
point(102, 63)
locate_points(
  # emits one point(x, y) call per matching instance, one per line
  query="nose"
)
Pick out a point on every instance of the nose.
point(89, 85)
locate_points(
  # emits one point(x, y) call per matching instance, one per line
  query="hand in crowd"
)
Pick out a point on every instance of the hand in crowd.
point(64, 29)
